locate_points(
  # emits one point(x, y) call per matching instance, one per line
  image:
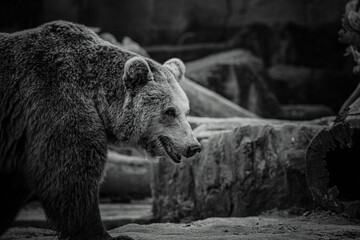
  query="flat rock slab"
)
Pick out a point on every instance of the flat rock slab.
point(266, 227)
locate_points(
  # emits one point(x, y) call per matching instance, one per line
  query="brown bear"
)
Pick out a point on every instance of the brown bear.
point(66, 94)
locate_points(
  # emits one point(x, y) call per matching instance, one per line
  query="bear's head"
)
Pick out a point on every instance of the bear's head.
point(160, 108)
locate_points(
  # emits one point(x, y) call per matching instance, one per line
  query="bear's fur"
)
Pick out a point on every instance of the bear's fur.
point(66, 94)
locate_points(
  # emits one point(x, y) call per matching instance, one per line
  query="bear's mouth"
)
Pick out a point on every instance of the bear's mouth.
point(169, 148)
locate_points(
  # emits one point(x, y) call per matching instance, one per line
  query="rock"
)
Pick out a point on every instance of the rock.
point(108, 37)
point(188, 52)
point(305, 111)
point(251, 228)
point(133, 46)
point(126, 178)
point(206, 103)
point(29, 233)
point(332, 164)
point(124, 149)
point(238, 76)
point(204, 127)
point(243, 170)
point(127, 43)
point(303, 85)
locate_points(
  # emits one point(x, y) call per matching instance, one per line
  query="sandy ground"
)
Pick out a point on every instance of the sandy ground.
point(316, 225)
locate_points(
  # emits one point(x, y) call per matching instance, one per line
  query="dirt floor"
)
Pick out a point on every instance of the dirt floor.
point(271, 226)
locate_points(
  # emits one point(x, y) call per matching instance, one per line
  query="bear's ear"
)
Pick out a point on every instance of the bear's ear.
point(177, 67)
point(136, 72)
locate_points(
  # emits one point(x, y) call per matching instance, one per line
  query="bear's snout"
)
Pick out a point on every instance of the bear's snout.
point(192, 150)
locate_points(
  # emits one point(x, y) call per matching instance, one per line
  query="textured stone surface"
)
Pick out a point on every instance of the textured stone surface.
point(332, 160)
point(205, 127)
point(243, 170)
point(310, 227)
point(238, 76)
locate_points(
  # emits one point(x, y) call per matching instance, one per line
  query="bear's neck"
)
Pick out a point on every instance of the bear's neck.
point(112, 102)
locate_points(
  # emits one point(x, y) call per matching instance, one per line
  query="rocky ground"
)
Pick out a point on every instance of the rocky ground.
point(272, 225)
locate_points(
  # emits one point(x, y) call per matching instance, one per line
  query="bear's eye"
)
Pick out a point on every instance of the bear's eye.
point(170, 112)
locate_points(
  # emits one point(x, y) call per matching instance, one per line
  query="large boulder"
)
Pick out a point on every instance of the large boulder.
point(249, 166)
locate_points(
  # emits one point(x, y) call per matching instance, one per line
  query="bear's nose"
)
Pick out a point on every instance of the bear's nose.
point(192, 150)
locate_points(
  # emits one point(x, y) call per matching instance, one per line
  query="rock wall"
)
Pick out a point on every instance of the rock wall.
point(248, 167)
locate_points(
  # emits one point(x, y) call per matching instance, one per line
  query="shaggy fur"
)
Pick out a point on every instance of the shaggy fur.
point(65, 94)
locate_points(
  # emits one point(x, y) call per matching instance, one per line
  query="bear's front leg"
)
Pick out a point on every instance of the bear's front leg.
point(68, 168)
point(71, 205)
point(75, 215)
point(69, 192)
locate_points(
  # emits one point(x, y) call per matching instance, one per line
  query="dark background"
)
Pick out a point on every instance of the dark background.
point(296, 33)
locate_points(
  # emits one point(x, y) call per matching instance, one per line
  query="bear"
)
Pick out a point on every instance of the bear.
point(65, 96)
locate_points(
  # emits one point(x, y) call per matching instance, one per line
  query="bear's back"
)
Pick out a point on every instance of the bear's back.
point(23, 52)
point(33, 65)
point(61, 32)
